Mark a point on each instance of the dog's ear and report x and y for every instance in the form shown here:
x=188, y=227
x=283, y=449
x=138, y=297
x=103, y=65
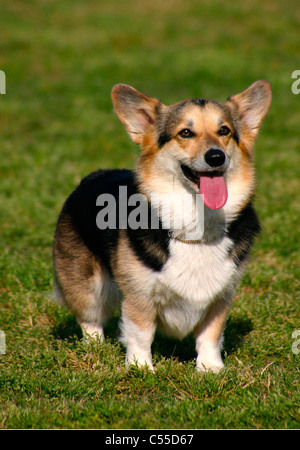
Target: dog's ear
x=250, y=107
x=136, y=111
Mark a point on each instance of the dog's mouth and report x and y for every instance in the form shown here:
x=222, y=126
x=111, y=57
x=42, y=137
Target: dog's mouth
x=211, y=185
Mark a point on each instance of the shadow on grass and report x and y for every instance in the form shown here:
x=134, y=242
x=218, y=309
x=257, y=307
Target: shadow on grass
x=235, y=331
x=70, y=330
x=167, y=347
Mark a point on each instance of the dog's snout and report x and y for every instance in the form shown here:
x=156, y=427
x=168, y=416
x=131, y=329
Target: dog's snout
x=215, y=157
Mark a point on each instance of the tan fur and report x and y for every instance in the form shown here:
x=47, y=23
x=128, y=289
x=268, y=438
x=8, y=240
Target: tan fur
x=77, y=271
x=211, y=328
x=132, y=277
x=206, y=122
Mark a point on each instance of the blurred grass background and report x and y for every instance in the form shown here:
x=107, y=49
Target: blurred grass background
x=61, y=59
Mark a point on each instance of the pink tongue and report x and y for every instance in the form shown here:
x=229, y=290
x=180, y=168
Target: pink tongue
x=214, y=191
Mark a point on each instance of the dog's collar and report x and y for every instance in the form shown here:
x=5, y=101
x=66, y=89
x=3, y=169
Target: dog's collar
x=184, y=241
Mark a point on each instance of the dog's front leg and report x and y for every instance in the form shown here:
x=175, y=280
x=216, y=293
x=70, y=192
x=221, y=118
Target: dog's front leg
x=208, y=334
x=138, y=329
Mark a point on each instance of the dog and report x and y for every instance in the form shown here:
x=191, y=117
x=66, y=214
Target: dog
x=178, y=280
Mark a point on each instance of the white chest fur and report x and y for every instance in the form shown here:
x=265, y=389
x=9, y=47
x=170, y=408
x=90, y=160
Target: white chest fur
x=194, y=275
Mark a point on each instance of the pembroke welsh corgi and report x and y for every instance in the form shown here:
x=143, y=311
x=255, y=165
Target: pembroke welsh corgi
x=117, y=243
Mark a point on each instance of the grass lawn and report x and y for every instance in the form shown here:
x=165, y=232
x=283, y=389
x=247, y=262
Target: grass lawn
x=61, y=59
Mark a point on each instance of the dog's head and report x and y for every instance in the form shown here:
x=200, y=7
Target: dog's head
x=198, y=143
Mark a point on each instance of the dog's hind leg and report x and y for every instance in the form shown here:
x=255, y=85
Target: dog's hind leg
x=84, y=298
x=82, y=284
x=106, y=299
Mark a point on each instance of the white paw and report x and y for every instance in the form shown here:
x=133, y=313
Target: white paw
x=92, y=332
x=209, y=358
x=206, y=366
x=139, y=361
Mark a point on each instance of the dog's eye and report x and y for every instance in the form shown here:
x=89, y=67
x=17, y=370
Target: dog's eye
x=224, y=131
x=186, y=133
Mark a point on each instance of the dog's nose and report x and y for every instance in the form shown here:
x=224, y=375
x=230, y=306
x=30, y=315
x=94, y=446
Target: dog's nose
x=215, y=157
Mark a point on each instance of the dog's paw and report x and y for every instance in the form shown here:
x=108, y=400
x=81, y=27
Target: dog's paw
x=139, y=362
x=209, y=361
x=92, y=332
x=209, y=358
x=206, y=366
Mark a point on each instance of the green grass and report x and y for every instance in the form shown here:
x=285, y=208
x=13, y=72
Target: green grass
x=61, y=59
